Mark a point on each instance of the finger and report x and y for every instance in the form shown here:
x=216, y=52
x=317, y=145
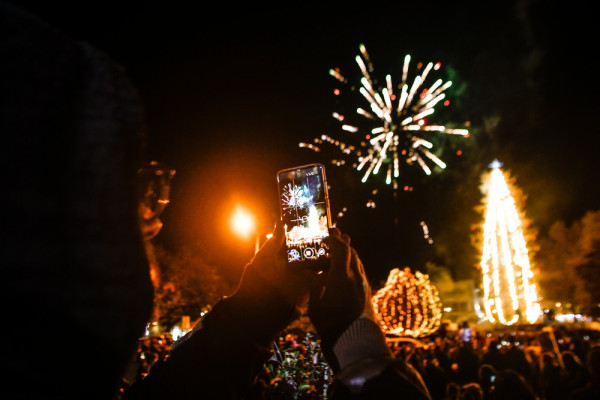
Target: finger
x=357, y=265
x=360, y=267
x=278, y=231
x=346, y=238
x=340, y=253
x=316, y=286
x=358, y=270
x=337, y=232
x=316, y=290
x=274, y=243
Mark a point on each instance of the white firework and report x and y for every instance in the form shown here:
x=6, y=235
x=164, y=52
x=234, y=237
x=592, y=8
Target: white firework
x=295, y=196
x=397, y=121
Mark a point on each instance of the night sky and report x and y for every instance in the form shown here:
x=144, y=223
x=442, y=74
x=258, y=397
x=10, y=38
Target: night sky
x=229, y=93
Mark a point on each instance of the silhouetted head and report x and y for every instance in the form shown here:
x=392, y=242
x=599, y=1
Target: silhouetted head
x=571, y=360
x=452, y=391
x=510, y=385
x=593, y=363
x=471, y=391
x=485, y=373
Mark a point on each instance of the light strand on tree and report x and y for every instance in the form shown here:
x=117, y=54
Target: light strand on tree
x=508, y=286
x=408, y=304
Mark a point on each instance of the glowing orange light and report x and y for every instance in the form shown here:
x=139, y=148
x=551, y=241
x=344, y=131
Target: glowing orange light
x=447, y=103
x=242, y=222
x=336, y=92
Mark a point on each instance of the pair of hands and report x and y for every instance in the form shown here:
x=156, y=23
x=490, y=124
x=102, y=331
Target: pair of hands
x=335, y=297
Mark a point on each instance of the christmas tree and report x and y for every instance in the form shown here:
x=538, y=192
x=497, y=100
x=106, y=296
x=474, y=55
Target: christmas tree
x=509, y=292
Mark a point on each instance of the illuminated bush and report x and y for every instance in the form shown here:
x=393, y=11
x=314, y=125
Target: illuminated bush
x=408, y=304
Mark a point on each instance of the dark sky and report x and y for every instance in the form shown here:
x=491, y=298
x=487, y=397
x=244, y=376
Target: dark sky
x=230, y=91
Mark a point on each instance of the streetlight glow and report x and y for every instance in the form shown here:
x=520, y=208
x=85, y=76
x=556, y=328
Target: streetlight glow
x=242, y=222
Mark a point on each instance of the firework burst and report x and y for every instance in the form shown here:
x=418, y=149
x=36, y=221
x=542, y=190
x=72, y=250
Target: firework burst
x=394, y=128
x=295, y=196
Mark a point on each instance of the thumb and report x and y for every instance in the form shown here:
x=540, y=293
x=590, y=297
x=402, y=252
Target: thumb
x=317, y=288
x=273, y=245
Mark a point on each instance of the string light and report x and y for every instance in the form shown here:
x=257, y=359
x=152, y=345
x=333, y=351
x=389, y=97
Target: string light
x=408, y=304
x=508, y=286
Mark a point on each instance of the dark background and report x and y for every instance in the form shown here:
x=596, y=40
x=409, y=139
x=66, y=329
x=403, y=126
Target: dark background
x=231, y=90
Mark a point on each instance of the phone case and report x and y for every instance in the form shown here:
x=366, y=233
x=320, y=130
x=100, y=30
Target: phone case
x=305, y=212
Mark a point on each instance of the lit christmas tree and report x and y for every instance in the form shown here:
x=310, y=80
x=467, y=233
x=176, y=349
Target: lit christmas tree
x=408, y=304
x=509, y=292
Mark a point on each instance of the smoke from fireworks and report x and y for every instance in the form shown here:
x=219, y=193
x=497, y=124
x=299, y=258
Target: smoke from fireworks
x=394, y=128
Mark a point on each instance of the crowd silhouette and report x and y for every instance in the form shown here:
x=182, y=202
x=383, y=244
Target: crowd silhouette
x=493, y=365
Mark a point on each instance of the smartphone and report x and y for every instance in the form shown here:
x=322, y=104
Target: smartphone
x=305, y=213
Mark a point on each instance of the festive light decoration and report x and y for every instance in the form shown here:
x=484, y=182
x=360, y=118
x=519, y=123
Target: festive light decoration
x=396, y=121
x=408, y=304
x=426, y=234
x=509, y=292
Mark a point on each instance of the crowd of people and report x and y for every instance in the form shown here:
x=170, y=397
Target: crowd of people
x=542, y=365
x=552, y=364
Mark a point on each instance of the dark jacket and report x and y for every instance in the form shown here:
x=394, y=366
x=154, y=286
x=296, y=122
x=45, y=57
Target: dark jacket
x=76, y=285
x=221, y=358
x=77, y=277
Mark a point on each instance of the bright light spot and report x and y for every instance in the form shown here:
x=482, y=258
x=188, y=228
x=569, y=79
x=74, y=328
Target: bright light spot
x=176, y=332
x=570, y=317
x=242, y=222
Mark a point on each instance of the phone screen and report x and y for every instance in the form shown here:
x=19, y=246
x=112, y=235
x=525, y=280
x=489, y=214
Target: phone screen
x=304, y=204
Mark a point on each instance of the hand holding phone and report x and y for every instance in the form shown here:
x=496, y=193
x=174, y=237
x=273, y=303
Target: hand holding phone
x=305, y=213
